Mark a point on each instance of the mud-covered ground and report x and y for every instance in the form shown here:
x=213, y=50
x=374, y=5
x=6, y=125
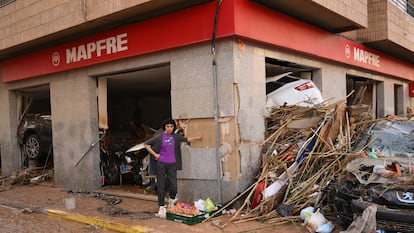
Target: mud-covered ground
x=24, y=209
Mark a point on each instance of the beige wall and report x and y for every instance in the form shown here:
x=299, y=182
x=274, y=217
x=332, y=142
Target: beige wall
x=27, y=20
x=387, y=22
x=355, y=10
x=400, y=27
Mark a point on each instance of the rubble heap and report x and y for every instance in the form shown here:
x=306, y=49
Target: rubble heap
x=304, y=149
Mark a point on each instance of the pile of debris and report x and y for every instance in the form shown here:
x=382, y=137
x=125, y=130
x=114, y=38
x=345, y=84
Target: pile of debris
x=24, y=176
x=304, y=149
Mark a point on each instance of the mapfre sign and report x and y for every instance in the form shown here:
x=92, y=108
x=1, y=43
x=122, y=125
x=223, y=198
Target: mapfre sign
x=175, y=30
x=95, y=49
x=157, y=34
x=362, y=56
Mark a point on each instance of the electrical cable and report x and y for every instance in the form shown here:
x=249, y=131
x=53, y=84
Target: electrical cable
x=216, y=104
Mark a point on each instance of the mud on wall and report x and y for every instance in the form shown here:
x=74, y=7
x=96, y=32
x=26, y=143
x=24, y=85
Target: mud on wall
x=228, y=146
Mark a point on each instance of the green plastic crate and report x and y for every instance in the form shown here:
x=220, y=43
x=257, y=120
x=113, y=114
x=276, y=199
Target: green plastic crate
x=190, y=220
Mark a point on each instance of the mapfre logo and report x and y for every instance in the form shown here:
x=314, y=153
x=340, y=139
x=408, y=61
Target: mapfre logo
x=55, y=59
x=347, y=51
x=362, y=56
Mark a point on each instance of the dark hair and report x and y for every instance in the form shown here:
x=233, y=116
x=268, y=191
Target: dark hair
x=168, y=121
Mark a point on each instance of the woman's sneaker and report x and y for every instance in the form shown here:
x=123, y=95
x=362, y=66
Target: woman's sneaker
x=162, y=212
x=171, y=202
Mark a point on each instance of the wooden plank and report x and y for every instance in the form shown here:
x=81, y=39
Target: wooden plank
x=103, y=103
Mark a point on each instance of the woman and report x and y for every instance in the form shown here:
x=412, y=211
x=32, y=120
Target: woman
x=166, y=151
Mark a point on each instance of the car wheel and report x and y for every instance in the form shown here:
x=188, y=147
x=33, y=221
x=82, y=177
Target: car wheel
x=32, y=146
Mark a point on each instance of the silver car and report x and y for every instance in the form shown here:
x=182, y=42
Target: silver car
x=35, y=135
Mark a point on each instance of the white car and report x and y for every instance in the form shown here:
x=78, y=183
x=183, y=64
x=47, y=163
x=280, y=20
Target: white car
x=285, y=89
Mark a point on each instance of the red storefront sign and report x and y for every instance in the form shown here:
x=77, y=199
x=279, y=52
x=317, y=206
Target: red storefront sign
x=411, y=89
x=237, y=18
x=165, y=32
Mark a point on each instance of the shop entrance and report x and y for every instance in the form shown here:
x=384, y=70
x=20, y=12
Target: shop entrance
x=364, y=93
x=35, y=126
x=136, y=103
x=277, y=67
x=288, y=83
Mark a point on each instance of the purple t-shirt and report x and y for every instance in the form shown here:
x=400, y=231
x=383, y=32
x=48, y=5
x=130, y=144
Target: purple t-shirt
x=167, y=153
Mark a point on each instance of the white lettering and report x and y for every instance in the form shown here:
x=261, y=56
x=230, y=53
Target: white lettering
x=90, y=47
x=366, y=57
x=106, y=46
x=100, y=45
x=121, y=42
x=111, y=45
x=82, y=53
x=71, y=55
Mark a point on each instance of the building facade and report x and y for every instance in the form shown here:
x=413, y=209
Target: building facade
x=203, y=63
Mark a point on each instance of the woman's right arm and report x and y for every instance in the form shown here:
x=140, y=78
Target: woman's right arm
x=152, y=152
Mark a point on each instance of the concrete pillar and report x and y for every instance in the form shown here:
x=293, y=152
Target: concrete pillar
x=333, y=84
x=192, y=97
x=9, y=147
x=241, y=97
x=75, y=128
x=250, y=78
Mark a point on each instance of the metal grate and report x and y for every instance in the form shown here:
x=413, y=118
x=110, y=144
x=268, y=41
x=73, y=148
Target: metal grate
x=401, y=4
x=5, y=2
x=410, y=8
x=405, y=6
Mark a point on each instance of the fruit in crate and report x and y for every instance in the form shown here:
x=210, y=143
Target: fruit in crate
x=184, y=209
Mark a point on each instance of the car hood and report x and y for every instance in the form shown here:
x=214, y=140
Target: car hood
x=386, y=173
x=391, y=139
x=387, y=148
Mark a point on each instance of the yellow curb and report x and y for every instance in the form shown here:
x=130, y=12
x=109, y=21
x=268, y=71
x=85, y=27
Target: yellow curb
x=97, y=222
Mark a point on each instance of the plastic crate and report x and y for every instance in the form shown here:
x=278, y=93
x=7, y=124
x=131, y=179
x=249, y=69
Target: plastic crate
x=190, y=220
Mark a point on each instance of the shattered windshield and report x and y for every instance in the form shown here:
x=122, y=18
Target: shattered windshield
x=390, y=138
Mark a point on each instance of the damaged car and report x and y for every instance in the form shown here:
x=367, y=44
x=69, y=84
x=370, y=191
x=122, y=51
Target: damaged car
x=34, y=131
x=382, y=176
x=287, y=89
x=35, y=136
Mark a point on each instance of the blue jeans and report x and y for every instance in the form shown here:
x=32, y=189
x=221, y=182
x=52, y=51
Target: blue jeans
x=166, y=177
